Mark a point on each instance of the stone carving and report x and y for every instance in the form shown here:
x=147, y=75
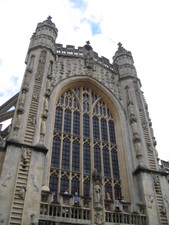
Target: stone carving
x=50, y=69
x=97, y=194
x=36, y=95
x=48, y=86
x=45, y=107
x=155, y=179
x=96, y=175
x=17, y=121
x=2, y=220
x=26, y=82
x=150, y=200
x=134, y=128
x=144, y=125
x=33, y=119
x=42, y=130
x=22, y=192
x=166, y=198
x=99, y=218
x=133, y=118
x=7, y=178
x=31, y=64
x=22, y=100
x=38, y=75
x=70, y=67
x=89, y=56
x=34, y=183
x=34, y=219
x=97, y=197
x=163, y=210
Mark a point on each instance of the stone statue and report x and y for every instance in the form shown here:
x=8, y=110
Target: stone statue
x=97, y=194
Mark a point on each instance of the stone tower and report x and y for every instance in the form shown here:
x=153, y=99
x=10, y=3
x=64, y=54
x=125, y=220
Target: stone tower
x=81, y=148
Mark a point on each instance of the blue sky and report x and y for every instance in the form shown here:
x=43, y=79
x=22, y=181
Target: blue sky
x=141, y=26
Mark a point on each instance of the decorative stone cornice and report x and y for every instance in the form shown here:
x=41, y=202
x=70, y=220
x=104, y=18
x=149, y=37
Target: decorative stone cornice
x=37, y=148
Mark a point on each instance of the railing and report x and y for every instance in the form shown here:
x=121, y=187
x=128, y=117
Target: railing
x=52, y=211
x=65, y=210
x=125, y=218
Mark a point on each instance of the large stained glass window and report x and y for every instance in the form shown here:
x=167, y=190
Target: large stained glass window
x=84, y=139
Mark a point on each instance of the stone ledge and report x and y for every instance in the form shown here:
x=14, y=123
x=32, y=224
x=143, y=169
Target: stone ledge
x=38, y=148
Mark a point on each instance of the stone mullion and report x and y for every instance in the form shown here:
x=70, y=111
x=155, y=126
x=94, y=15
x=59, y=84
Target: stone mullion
x=91, y=132
x=81, y=141
x=101, y=147
x=111, y=166
x=61, y=147
x=71, y=149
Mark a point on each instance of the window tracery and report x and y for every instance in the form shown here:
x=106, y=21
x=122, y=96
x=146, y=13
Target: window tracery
x=84, y=139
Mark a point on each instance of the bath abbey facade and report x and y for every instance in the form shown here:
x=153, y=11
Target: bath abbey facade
x=80, y=148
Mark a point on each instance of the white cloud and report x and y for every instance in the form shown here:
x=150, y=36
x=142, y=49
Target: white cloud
x=141, y=26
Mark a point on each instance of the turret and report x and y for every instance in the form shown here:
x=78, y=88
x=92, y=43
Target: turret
x=44, y=36
x=124, y=63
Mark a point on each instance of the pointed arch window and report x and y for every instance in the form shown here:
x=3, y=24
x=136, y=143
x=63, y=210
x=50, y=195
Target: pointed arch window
x=84, y=135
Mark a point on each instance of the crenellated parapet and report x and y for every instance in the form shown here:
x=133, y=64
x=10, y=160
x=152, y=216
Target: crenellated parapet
x=70, y=50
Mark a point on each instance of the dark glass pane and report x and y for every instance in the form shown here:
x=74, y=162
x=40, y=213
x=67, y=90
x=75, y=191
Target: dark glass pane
x=106, y=162
x=53, y=185
x=66, y=101
x=101, y=110
x=75, y=156
x=64, y=184
x=55, y=152
x=108, y=112
x=97, y=159
x=75, y=103
x=92, y=97
x=70, y=102
x=58, y=119
x=96, y=128
x=86, y=126
x=86, y=188
x=76, y=123
x=67, y=121
x=86, y=158
x=96, y=109
x=104, y=111
x=117, y=191
x=112, y=132
x=115, y=165
x=62, y=99
x=108, y=189
x=75, y=186
x=104, y=130
x=65, y=154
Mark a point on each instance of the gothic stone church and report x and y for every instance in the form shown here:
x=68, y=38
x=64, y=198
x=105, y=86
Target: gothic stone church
x=80, y=148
